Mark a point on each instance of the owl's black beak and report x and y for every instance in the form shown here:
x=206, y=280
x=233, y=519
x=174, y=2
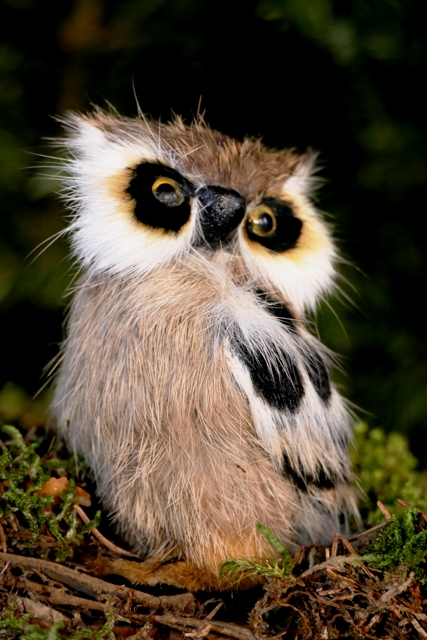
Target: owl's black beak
x=221, y=211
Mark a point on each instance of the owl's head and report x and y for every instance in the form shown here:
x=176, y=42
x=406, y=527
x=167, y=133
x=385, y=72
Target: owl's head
x=147, y=194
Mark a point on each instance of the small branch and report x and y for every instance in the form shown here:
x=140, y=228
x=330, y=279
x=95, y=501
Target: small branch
x=110, y=545
x=334, y=548
x=299, y=555
x=40, y=611
x=337, y=561
x=5, y=568
x=351, y=550
x=205, y=625
x=392, y=592
x=3, y=539
x=419, y=628
x=367, y=532
x=347, y=545
x=61, y=597
x=386, y=513
x=228, y=629
x=405, y=504
x=95, y=587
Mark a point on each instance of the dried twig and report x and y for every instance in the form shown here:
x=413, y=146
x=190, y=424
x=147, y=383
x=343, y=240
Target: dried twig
x=110, y=545
x=94, y=587
x=63, y=598
x=394, y=591
x=228, y=629
x=367, y=532
x=419, y=628
x=405, y=504
x=351, y=550
x=386, y=513
x=337, y=561
x=347, y=545
x=205, y=625
x=299, y=555
x=3, y=539
x=334, y=548
x=5, y=568
x=40, y=611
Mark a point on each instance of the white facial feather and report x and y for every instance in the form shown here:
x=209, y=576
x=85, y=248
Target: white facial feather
x=105, y=238
x=301, y=277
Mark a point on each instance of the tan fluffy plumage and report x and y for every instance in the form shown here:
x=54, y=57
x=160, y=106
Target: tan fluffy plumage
x=188, y=380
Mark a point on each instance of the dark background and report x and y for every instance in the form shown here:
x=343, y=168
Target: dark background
x=346, y=78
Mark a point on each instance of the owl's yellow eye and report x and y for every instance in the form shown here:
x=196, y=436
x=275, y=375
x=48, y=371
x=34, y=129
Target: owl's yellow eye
x=262, y=221
x=168, y=192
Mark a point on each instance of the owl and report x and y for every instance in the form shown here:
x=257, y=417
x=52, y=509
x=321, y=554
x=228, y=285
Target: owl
x=189, y=379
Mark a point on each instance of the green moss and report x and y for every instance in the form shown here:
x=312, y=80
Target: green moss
x=237, y=569
x=28, y=631
x=386, y=470
x=23, y=473
x=401, y=545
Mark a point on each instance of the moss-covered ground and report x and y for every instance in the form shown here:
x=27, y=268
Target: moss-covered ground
x=55, y=544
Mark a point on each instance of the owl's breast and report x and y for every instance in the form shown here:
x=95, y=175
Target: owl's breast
x=191, y=357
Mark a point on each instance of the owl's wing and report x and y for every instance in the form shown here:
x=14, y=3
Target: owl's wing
x=297, y=413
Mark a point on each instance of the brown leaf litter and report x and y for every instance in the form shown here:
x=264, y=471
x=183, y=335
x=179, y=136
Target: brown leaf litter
x=336, y=597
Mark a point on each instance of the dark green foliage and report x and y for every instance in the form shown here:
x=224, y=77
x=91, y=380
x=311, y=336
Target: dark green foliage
x=24, y=473
x=386, y=470
x=345, y=78
x=401, y=545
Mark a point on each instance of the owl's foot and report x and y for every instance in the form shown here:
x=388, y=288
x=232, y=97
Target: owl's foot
x=179, y=573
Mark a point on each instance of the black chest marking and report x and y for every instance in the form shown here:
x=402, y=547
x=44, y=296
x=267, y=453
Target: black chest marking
x=313, y=363
x=276, y=379
x=277, y=309
x=323, y=480
x=318, y=375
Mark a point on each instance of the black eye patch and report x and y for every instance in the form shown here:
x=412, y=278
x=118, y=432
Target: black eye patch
x=287, y=227
x=160, y=213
